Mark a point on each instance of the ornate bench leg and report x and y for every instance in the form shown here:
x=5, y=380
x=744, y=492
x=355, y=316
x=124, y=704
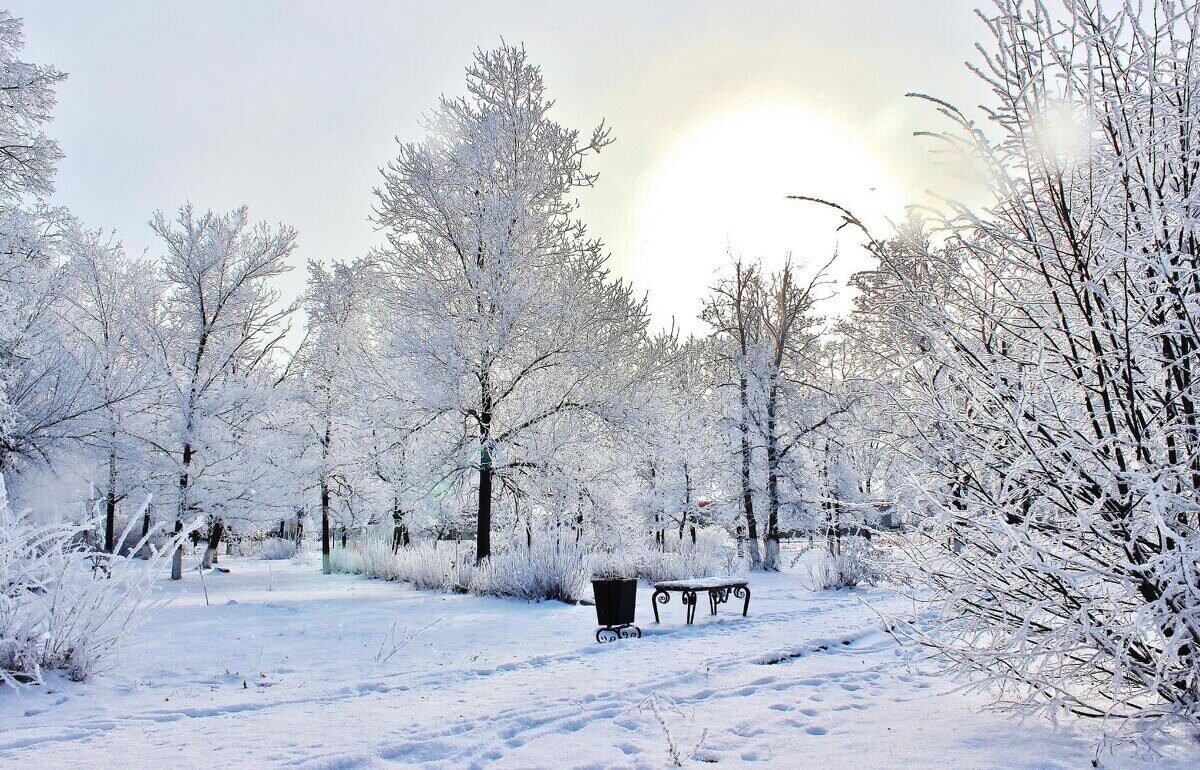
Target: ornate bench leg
x=689, y=598
x=743, y=591
x=659, y=597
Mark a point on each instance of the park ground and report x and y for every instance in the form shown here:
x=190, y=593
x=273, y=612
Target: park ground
x=285, y=667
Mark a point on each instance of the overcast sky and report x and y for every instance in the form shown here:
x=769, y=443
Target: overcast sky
x=719, y=110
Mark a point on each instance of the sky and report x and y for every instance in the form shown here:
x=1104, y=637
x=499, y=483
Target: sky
x=719, y=111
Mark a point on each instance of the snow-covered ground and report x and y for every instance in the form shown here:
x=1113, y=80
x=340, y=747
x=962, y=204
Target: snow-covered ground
x=288, y=667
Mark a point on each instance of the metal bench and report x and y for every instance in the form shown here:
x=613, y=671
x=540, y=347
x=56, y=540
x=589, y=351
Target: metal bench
x=718, y=590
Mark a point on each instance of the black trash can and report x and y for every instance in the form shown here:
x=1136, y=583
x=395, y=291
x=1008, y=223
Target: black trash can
x=616, y=601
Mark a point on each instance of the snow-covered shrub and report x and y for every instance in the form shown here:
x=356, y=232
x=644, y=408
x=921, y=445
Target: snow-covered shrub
x=276, y=548
x=307, y=557
x=425, y=565
x=616, y=565
x=434, y=565
x=462, y=571
x=854, y=564
x=369, y=558
x=714, y=554
x=63, y=606
x=713, y=558
x=545, y=571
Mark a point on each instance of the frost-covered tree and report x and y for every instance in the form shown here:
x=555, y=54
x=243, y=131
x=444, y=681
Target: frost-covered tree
x=43, y=386
x=766, y=337
x=676, y=448
x=501, y=319
x=1056, y=369
x=29, y=158
x=793, y=403
x=331, y=365
x=737, y=333
x=213, y=343
x=106, y=296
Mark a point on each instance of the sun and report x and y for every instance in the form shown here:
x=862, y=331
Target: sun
x=723, y=187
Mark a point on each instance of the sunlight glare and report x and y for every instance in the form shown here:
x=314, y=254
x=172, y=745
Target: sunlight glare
x=724, y=185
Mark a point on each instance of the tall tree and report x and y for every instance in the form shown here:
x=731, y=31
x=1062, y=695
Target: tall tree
x=787, y=361
x=497, y=301
x=676, y=449
x=44, y=394
x=736, y=325
x=106, y=297
x=331, y=363
x=215, y=335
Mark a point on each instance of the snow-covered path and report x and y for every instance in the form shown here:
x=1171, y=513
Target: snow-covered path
x=291, y=668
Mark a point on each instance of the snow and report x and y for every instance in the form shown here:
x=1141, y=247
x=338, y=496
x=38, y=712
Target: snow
x=290, y=667
x=700, y=584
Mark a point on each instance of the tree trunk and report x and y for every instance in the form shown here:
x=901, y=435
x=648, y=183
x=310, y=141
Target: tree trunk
x=747, y=491
x=110, y=505
x=483, y=523
x=771, y=562
x=177, y=557
x=687, y=503
x=184, y=485
x=483, y=529
x=326, y=566
x=214, y=541
x=399, y=527
x=145, y=549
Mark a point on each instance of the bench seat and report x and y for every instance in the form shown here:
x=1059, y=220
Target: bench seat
x=717, y=588
x=699, y=584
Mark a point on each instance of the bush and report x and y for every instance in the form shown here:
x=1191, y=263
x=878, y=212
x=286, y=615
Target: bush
x=854, y=565
x=277, y=548
x=545, y=571
x=425, y=565
x=548, y=570
x=63, y=605
x=710, y=557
